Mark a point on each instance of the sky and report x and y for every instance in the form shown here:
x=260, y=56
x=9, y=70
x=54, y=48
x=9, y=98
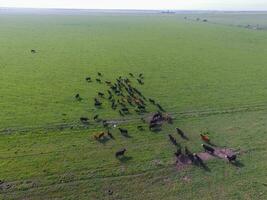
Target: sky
x=141, y=4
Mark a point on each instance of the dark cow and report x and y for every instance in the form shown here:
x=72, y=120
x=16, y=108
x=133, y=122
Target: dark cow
x=231, y=158
x=189, y=154
x=99, y=74
x=125, y=110
x=101, y=94
x=152, y=101
x=78, y=97
x=98, y=80
x=181, y=133
x=88, y=79
x=208, y=148
x=105, y=123
x=172, y=139
x=33, y=51
x=84, y=119
x=120, y=152
x=108, y=82
x=140, y=81
x=131, y=74
x=96, y=117
x=140, y=128
x=123, y=131
x=178, y=152
x=97, y=102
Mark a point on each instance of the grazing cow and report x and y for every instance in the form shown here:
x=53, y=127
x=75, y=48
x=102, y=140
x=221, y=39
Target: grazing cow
x=33, y=51
x=84, y=119
x=101, y=94
x=125, y=110
x=172, y=139
x=97, y=102
x=131, y=74
x=189, y=154
x=120, y=152
x=152, y=101
x=78, y=97
x=98, y=80
x=140, y=128
x=99, y=74
x=205, y=138
x=109, y=92
x=208, y=148
x=231, y=158
x=157, y=117
x=180, y=132
x=123, y=131
x=99, y=136
x=140, y=81
x=140, y=75
x=178, y=152
x=108, y=82
x=88, y=79
x=96, y=117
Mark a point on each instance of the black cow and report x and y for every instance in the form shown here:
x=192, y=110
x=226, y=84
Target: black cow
x=120, y=152
x=189, y=154
x=99, y=74
x=84, y=119
x=178, y=152
x=98, y=80
x=131, y=74
x=123, y=131
x=101, y=94
x=172, y=139
x=78, y=97
x=96, y=117
x=33, y=51
x=152, y=101
x=105, y=123
x=125, y=110
x=231, y=158
x=88, y=79
x=97, y=102
x=208, y=148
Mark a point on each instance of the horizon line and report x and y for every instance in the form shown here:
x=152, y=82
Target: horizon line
x=134, y=9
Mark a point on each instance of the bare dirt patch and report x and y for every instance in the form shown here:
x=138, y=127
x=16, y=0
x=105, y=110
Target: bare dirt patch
x=183, y=161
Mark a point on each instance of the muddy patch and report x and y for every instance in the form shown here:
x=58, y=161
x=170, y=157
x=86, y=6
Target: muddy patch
x=183, y=161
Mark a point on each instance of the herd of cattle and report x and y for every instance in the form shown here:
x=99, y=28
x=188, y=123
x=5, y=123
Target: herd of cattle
x=124, y=98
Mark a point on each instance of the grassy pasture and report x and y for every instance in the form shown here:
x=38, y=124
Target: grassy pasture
x=210, y=77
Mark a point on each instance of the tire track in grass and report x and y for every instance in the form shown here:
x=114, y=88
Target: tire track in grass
x=95, y=126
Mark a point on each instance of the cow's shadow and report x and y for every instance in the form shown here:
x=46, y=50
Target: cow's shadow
x=125, y=158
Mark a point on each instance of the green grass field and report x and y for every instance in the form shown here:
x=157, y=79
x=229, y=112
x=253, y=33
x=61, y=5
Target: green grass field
x=210, y=77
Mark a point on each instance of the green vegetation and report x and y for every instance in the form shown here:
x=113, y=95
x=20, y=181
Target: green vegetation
x=209, y=77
